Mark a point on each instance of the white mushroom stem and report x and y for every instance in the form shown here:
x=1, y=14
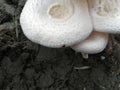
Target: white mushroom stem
x=105, y=15
x=56, y=23
x=95, y=43
x=85, y=55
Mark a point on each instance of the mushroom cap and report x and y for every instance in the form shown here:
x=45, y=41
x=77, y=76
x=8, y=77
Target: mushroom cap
x=105, y=15
x=56, y=23
x=95, y=43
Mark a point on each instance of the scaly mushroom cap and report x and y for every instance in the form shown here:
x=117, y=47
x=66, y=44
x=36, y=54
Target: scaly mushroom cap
x=56, y=23
x=95, y=43
x=105, y=15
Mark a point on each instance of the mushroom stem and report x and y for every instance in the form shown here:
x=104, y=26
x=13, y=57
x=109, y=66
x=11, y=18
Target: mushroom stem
x=85, y=55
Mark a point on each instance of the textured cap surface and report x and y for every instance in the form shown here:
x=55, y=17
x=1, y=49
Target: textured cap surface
x=105, y=15
x=95, y=43
x=56, y=23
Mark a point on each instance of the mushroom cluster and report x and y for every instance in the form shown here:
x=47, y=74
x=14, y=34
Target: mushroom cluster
x=82, y=25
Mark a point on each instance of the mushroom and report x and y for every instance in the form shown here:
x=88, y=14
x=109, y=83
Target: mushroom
x=105, y=15
x=95, y=43
x=56, y=23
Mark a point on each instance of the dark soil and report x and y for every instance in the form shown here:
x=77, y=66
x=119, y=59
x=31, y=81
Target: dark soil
x=27, y=66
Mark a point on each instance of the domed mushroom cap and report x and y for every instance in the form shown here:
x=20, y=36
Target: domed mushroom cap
x=95, y=43
x=105, y=15
x=56, y=23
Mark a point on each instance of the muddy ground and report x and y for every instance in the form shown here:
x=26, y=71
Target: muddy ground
x=27, y=66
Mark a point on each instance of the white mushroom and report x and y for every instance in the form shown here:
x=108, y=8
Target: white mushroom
x=105, y=15
x=95, y=43
x=56, y=23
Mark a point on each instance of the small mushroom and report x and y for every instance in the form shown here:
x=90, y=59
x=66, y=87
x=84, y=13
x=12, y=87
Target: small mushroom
x=95, y=43
x=105, y=15
x=56, y=23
